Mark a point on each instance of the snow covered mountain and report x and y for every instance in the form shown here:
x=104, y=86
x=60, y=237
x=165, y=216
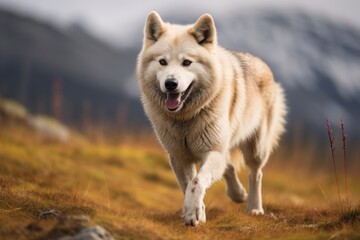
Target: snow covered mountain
x=317, y=61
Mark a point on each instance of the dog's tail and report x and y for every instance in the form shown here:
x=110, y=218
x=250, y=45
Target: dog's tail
x=237, y=159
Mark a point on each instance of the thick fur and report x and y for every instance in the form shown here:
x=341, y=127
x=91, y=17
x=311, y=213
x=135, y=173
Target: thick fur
x=232, y=101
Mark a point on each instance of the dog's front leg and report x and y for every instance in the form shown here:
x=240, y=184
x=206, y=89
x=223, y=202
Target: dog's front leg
x=184, y=171
x=211, y=170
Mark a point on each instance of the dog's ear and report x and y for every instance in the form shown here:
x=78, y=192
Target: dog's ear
x=204, y=30
x=154, y=27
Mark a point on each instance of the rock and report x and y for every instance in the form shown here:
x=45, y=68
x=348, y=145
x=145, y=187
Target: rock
x=75, y=218
x=91, y=233
x=50, y=127
x=49, y=214
x=13, y=110
x=272, y=215
x=311, y=226
x=34, y=227
x=74, y=221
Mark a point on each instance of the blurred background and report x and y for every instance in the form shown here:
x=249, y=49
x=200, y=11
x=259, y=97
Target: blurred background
x=74, y=138
x=75, y=61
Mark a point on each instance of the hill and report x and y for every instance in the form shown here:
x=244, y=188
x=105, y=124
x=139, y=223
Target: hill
x=49, y=189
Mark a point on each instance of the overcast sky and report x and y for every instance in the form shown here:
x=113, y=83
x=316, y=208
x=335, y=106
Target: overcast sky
x=117, y=17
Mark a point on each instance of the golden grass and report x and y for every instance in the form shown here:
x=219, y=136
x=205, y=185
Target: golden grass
x=129, y=189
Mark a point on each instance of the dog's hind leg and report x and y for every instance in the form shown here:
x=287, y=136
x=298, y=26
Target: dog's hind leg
x=255, y=198
x=234, y=188
x=256, y=153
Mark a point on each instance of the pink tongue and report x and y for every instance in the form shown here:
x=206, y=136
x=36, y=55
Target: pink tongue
x=172, y=100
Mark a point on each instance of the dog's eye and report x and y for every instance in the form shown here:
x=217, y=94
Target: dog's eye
x=162, y=62
x=186, y=63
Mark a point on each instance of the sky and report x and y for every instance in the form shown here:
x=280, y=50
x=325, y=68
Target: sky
x=114, y=19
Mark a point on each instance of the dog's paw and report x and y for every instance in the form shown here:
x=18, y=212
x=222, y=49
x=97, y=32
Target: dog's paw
x=237, y=195
x=202, y=216
x=194, y=214
x=256, y=211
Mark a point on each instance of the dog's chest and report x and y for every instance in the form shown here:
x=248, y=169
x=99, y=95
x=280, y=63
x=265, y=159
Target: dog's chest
x=191, y=138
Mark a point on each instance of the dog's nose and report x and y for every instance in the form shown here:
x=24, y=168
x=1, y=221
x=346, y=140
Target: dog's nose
x=171, y=84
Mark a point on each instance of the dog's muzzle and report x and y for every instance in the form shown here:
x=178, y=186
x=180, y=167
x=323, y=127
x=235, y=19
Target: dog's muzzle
x=174, y=100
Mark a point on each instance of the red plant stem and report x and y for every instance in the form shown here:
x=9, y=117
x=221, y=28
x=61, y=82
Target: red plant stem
x=344, y=136
x=331, y=140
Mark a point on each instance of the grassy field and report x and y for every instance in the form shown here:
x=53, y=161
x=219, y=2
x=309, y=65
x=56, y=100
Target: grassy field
x=129, y=189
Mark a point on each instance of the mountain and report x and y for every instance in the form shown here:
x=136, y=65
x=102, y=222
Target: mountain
x=316, y=59
x=36, y=58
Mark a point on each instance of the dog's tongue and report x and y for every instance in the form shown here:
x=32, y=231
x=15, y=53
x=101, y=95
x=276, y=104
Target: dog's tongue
x=172, y=100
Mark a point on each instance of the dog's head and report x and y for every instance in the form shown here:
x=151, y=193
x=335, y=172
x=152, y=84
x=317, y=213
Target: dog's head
x=177, y=67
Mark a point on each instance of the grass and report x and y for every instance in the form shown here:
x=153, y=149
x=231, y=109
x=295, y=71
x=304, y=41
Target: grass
x=129, y=189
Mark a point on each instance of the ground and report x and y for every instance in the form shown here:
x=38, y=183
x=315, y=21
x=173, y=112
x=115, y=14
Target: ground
x=128, y=188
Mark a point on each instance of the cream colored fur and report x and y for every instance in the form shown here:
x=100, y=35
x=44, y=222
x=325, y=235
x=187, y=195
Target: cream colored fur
x=231, y=102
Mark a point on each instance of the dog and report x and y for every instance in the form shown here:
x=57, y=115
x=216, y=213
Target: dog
x=205, y=101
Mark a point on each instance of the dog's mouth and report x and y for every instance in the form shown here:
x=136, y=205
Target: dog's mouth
x=175, y=100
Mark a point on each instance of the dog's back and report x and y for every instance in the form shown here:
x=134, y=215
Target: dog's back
x=271, y=93
x=255, y=101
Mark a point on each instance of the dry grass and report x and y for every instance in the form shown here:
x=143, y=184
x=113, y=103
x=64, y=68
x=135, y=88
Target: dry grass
x=130, y=190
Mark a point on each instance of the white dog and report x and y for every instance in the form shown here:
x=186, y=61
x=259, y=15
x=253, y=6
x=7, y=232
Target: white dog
x=205, y=101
